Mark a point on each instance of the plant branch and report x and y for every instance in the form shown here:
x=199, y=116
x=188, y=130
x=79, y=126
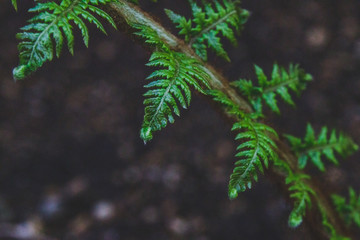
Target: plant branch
x=126, y=14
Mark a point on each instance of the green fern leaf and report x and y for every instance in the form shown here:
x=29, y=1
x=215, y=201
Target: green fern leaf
x=170, y=84
x=14, y=3
x=203, y=30
x=280, y=83
x=329, y=228
x=48, y=27
x=151, y=37
x=255, y=151
x=301, y=193
x=231, y=107
x=350, y=211
x=169, y=88
x=312, y=148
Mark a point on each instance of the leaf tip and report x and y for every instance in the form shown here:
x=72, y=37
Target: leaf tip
x=233, y=193
x=295, y=220
x=146, y=134
x=20, y=72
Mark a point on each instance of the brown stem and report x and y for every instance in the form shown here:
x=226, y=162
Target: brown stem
x=125, y=14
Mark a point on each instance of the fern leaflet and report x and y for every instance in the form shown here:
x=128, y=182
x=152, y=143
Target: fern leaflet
x=170, y=85
x=280, y=83
x=255, y=151
x=14, y=3
x=151, y=37
x=313, y=148
x=202, y=31
x=350, y=211
x=169, y=88
x=329, y=228
x=44, y=34
x=301, y=193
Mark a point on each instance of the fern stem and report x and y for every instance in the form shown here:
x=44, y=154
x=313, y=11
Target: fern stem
x=126, y=13
x=211, y=26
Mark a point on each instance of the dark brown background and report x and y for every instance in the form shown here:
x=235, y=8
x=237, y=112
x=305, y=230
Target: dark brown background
x=72, y=165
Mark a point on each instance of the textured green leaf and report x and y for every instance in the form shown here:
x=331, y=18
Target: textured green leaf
x=279, y=85
x=45, y=32
x=169, y=86
x=255, y=150
x=349, y=210
x=301, y=193
x=313, y=148
x=208, y=23
x=14, y=3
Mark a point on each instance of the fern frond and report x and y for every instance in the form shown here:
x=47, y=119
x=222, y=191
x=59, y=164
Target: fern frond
x=151, y=37
x=170, y=85
x=256, y=149
x=14, y=3
x=203, y=30
x=44, y=35
x=169, y=88
x=350, y=211
x=299, y=190
x=329, y=228
x=267, y=90
x=230, y=107
x=301, y=193
x=312, y=148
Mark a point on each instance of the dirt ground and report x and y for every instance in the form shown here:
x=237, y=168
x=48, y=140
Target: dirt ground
x=72, y=165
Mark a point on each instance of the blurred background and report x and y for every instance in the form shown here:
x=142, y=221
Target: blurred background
x=72, y=165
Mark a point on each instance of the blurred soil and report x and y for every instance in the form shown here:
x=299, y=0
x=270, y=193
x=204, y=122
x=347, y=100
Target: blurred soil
x=72, y=165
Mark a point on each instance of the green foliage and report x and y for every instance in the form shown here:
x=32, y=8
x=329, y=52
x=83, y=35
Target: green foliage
x=151, y=37
x=329, y=228
x=255, y=151
x=301, y=193
x=267, y=90
x=170, y=85
x=350, y=211
x=45, y=32
x=314, y=148
x=14, y=3
x=231, y=107
x=202, y=31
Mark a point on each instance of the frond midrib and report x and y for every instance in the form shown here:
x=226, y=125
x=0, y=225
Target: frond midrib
x=319, y=147
x=174, y=78
x=55, y=21
x=273, y=88
x=254, y=156
x=211, y=26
